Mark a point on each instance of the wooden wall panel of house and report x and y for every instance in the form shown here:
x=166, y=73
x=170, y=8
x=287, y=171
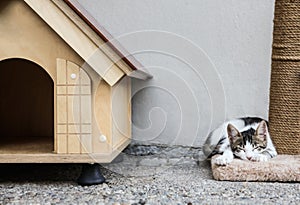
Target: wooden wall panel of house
x=121, y=112
x=103, y=110
x=25, y=35
x=74, y=112
x=77, y=39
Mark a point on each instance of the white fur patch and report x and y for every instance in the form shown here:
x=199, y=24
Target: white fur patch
x=224, y=159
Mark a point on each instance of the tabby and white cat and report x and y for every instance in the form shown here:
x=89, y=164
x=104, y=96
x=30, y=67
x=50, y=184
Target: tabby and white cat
x=244, y=138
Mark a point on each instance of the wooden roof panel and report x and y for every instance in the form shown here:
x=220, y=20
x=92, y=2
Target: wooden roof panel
x=107, y=38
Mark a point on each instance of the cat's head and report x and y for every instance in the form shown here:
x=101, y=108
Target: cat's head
x=248, y=143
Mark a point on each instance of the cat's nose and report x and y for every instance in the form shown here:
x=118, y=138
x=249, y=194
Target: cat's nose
x=249, y=158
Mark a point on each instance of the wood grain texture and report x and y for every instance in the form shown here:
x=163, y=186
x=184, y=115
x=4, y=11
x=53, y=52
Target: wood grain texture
x=94, y=36
x=62, y=158
x=70, y=116
x=121, y=117
x=103, y=114
x=74, y=109
x=77, y=39
x=26, y=145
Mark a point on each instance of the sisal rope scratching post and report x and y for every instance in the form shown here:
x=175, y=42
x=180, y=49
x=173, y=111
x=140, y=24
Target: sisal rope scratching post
x=285, y=78
x=284, y=114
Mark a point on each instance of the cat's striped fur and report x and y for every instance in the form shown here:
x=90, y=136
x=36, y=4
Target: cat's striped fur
x=244, y=138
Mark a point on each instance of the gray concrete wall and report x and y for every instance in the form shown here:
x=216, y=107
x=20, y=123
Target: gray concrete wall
x=210, y=60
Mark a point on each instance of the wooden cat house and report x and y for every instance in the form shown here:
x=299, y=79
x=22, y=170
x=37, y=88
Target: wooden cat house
x=65, y=90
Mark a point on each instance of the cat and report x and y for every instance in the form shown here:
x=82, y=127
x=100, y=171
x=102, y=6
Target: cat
x=244, y=138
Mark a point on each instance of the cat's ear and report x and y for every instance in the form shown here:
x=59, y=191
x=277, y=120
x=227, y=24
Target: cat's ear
x=232, y=132
x=262, y=130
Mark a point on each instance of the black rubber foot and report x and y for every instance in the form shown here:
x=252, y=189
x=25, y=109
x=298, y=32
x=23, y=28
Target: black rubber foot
x=90, y=175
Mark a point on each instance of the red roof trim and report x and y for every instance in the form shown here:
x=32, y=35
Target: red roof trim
x=104, y=35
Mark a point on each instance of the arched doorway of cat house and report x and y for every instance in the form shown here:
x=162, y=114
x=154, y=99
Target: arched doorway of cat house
x=26, y=108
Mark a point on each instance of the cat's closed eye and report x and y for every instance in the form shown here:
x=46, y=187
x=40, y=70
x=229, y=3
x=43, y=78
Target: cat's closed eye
x=258, y=149
x=239, y=149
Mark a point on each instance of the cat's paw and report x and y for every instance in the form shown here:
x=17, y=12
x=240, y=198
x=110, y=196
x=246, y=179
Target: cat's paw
x=222, y=160
x=259, y=158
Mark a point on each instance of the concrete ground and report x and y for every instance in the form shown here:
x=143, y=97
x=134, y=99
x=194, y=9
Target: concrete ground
x=140, y=175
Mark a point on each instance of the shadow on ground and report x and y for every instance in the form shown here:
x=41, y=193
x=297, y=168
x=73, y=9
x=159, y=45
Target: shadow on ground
x=39, y=172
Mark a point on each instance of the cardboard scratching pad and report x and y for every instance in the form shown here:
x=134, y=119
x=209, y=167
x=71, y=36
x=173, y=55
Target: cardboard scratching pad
x=282, y=168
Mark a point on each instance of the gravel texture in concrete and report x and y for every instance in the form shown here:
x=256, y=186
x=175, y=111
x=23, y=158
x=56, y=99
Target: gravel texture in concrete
x=140, y=175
